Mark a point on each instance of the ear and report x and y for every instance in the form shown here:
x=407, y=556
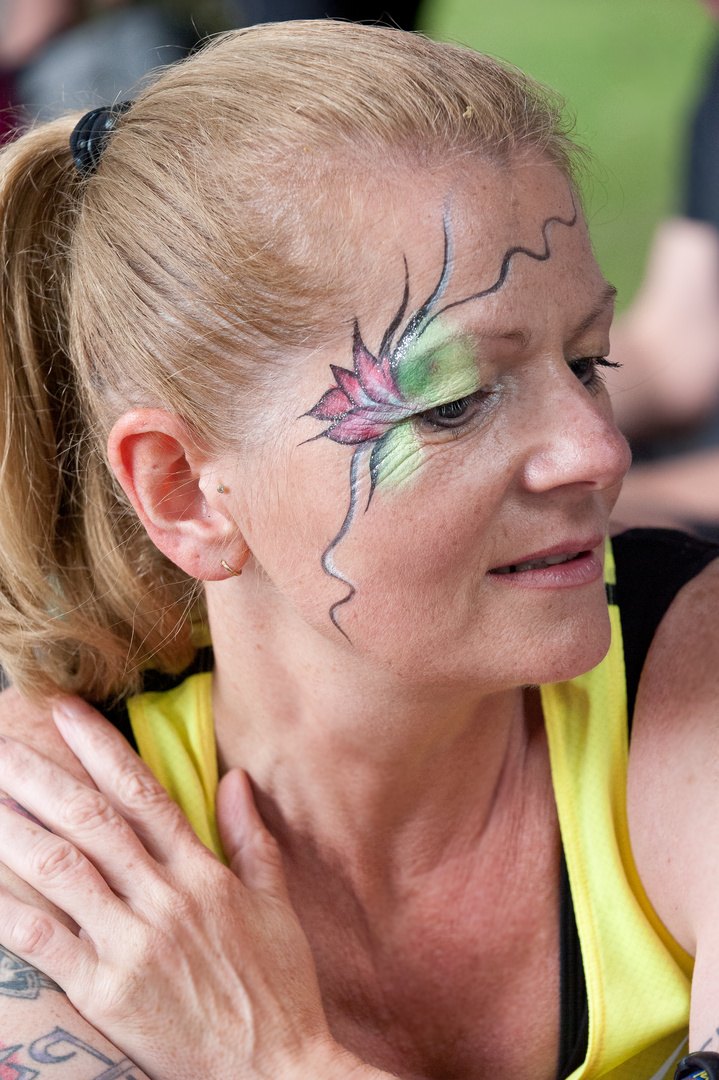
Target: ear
x=172, y=484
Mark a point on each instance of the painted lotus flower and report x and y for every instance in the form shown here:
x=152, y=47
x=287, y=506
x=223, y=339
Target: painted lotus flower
x=364, y=405
x=369, y=406
x=372, y=406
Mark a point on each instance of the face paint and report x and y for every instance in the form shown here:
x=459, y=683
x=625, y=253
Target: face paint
x=372, y=406
x=438, y=367
x=433, y=371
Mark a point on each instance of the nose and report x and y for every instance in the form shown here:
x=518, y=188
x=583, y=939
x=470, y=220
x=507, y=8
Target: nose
x=573, y=440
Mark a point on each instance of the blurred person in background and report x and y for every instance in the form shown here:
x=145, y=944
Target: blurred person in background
x=57, y=55
x=65, y=54
x=666, y=396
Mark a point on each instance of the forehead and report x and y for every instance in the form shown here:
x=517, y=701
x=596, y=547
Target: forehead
x=490, y=212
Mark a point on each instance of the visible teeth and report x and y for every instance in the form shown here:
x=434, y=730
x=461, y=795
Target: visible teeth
x=534, y=564
x=554, y=560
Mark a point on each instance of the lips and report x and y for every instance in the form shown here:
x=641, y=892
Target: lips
x=558, y=554
x=537, y=564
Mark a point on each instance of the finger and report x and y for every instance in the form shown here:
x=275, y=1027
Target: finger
x=77, y=814
x=125, y=780
x=43, y=942
x=62, y=874
x=13, y=804
x=252, y=851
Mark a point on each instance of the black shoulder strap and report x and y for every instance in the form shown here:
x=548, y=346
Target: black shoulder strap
x=573, y=1002
x=652, y=566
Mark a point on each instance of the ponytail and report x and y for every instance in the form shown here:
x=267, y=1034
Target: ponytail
x=85, y=598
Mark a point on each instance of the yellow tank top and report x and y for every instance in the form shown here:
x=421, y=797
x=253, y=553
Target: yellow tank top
x=638, y=978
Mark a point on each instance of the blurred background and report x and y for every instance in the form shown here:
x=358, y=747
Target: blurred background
x=641, y=77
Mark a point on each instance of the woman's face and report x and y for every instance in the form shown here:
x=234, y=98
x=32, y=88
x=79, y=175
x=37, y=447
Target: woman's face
x=461, y=432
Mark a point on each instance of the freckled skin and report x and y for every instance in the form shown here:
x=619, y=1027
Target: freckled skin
x=540, y=459
x=427, y=369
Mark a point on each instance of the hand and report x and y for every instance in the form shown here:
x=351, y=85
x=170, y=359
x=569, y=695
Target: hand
x=183, y=964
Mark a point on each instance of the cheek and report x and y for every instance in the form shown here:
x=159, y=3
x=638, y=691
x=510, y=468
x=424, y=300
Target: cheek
x=423, y=544
x=417, y=545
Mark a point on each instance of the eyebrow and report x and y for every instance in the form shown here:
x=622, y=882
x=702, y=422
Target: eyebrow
x=522, y=338
x=607, y=297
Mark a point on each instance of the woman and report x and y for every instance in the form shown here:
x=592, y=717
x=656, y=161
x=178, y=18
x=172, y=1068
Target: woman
x=320, y=310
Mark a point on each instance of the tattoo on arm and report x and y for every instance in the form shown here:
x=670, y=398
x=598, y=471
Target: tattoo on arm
x=18, y=979
x=56, y=1047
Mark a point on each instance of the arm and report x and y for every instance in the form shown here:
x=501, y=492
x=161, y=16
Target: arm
x=673, y=788
x=670, y=492
x=668, y=341
x=42, y=1036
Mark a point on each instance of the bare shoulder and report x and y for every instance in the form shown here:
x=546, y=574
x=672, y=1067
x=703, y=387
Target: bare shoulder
x=673, y=785
x=32, y=723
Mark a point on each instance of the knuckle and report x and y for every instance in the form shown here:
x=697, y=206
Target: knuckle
x=32, y=932
x=53, y=858
x=138, y=790
x=86, y=808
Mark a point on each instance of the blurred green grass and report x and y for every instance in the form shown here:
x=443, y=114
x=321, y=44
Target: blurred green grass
x=631, y=71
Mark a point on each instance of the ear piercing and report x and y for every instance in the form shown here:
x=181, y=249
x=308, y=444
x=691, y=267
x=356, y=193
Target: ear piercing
x=225, y=565
x=228, y=568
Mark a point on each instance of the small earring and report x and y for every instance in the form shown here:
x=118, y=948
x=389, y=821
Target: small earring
x=229, y=569
x=221, y=489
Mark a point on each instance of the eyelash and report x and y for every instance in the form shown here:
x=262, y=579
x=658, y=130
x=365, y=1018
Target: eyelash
x=434, y=418
x=585, y=368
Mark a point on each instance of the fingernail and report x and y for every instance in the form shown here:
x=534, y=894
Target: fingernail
x=66, y=710
x=66, y=719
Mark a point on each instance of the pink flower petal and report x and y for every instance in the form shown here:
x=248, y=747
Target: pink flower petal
x=332, y=405
x=374, y=376
x=348, y=381
x=353, y=429
x=382, y=414
x=387, y=373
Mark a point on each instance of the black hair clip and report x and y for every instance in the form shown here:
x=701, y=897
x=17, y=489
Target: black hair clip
x=91, y=133
x=700, y=1066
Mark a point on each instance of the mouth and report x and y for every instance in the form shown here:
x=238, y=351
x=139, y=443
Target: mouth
x=539, y=564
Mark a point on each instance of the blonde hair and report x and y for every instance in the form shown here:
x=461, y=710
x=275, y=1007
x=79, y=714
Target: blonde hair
x=178, y=255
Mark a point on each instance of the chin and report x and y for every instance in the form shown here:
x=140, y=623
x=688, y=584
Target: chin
x=577, y=645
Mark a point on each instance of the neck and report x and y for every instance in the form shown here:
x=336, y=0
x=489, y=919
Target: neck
x=373, y=770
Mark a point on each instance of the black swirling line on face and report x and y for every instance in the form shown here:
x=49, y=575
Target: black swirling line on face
x=366, y=405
